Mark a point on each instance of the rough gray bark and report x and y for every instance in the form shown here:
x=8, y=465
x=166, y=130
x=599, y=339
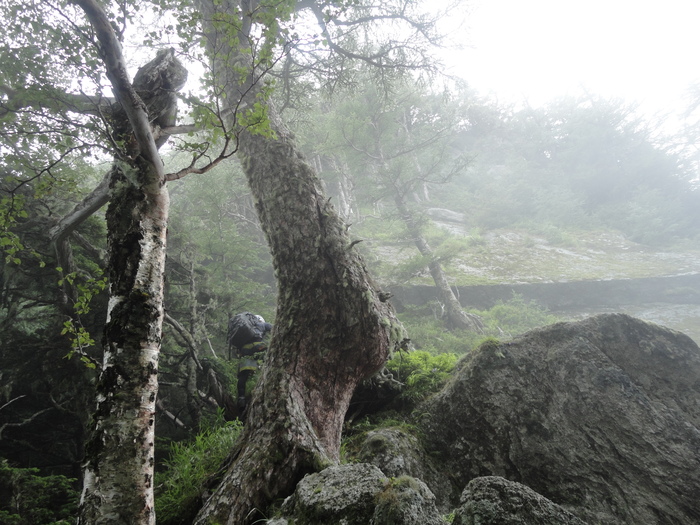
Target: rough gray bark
x=332, y=330
x=118, y=479
x=333, y=327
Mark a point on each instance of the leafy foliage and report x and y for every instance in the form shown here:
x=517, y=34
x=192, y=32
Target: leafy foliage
x=515, y=316
x=422, y=372
x=504, y=320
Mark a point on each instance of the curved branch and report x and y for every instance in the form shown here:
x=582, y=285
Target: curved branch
x=124, y=92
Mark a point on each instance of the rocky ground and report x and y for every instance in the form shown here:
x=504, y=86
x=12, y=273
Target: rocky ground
x=523, y=257
x=592, y=422
x=553, y=255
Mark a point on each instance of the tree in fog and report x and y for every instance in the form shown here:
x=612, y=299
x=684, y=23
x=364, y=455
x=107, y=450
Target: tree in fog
x=331, y=318
x=399, y=143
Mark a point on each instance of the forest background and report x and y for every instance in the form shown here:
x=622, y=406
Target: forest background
x=391, y=150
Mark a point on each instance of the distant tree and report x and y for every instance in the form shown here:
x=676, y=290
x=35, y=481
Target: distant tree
x=400, y=146
x=584, y=162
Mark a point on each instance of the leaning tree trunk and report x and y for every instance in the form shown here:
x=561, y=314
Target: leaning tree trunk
x=332, y=328
x=456, y=316
x=118, y=479
x=332, y=331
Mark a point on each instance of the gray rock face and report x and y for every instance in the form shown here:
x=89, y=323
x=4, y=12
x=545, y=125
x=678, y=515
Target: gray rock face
x=491, y=500
x=397, y=453
x=343, y=494
x=406, y=501
x=600, y=416
x=359, y=494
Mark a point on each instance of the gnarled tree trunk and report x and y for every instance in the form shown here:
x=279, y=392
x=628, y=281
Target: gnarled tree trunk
x=332, y=330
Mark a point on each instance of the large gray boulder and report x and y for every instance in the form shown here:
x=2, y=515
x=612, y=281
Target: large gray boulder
x=600, y=416
x=491, y=500
x=343, y=494
x=359, y=494
x=406, y=501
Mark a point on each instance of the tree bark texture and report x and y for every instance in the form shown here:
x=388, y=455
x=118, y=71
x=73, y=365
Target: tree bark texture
x=118, y=482
x=118, y=478
x=331, y=332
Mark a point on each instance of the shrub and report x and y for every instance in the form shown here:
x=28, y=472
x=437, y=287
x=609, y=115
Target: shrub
x=422, y=373
x=26, y=498
x=515, y=316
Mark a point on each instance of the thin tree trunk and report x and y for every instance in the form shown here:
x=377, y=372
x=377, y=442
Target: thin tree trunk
x=456, y=316
x=193, y=406
x=118, y=483
x=118, y=479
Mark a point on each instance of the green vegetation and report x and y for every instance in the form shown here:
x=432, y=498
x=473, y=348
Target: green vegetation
x=513, y=317
x=31, y=499
x=505, y=320
x=422, y=373
x=552, y=193
x=190, y=464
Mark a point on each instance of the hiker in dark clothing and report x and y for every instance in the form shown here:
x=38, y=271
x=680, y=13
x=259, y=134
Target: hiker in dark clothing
x=246, y=332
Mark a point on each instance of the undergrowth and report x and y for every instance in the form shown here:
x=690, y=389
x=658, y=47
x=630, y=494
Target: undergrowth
x=190, y=464
x=27, y=498
x=505, y=320
x=421, y=372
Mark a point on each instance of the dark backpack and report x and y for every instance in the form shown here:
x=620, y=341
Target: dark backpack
x=243, y=328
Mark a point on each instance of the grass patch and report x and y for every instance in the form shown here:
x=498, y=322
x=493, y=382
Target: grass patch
x=190, y=464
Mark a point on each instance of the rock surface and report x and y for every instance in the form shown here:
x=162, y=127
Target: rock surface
x=359, y=494
x=397, y=452
x=491, y=500
x=340, y=494
x=600, y=416
x=406, y=501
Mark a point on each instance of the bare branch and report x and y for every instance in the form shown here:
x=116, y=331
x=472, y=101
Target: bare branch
x=97, y=198
x=191, y=344
x=134, y=107
x=12, y=401
x=172, y=417
x=25, y=421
